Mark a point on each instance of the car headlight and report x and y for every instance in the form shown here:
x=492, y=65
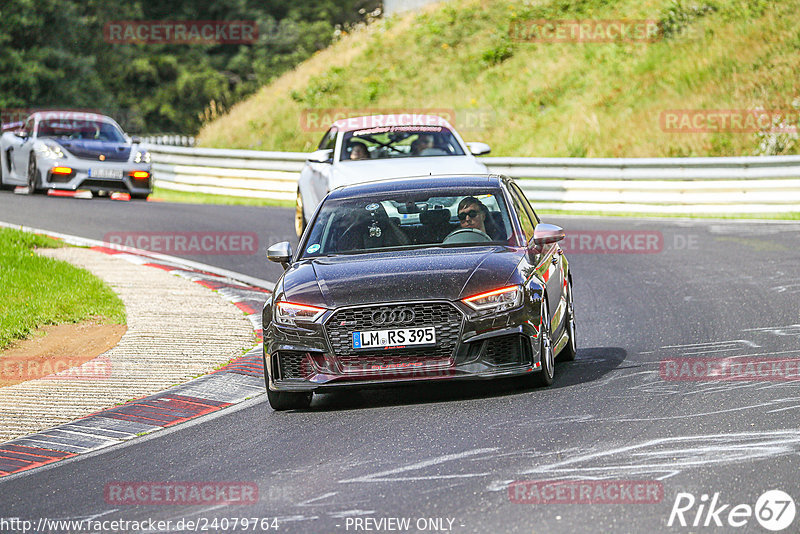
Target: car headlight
x=290, y=313
x=46, y=150
x=141, y=156
x=504, y=298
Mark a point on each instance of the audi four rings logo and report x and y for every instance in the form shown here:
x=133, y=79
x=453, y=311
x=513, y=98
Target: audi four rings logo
x=393, y=316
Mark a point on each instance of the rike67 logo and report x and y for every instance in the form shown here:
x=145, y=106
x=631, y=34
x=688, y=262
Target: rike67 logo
x=774, y=510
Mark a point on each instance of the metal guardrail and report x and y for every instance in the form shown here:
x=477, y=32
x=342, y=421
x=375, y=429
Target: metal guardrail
x=168, y=139
x=246, y=173
x=647, y=185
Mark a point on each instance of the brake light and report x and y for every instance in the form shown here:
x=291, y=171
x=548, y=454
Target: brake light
x=139, y=175
x=61, y=170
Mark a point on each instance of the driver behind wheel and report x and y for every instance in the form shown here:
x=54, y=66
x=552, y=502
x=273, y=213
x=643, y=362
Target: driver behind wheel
x=472, y=214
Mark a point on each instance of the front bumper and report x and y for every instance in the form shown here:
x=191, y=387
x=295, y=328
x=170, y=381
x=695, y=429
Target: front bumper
x=113, y=176
x=319, y=356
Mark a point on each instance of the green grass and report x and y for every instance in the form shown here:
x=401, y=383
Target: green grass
x=546, y=99
x=37, y=291
x=168, y=195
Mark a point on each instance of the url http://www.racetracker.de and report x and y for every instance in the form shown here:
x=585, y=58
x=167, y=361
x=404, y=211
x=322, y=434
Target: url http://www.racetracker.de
x=197, y=524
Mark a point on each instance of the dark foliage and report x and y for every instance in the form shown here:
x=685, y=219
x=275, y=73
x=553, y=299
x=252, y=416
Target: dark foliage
x=53, y=54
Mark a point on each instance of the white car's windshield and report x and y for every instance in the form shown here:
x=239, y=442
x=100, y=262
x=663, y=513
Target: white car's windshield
x=399, y=142
x=80, y=129
x=368, y=224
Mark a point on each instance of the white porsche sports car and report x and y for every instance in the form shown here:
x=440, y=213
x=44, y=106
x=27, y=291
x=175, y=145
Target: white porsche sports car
x=71, y=150
x=362, y=149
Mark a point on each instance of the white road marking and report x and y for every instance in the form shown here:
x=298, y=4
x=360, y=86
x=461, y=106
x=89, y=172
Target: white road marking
x=713, y=346
x=291, y=518
x=499, y=485
x=350, y=513
x=314, y=499
x=796, y=406
x=788, y=330
x=790, y=288
x=667, y=457
x=381, y=476
x=86, y=517
x=715, y=412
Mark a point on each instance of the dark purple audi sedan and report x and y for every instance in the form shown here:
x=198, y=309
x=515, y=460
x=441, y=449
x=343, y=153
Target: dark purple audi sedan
x=422, y=278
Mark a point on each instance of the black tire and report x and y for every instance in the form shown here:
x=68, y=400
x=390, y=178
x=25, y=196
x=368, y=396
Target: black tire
x=569, y=352
x=545, y=377
x=139, y=196
x=299, y=216
x=286, y=400
x=33, y=177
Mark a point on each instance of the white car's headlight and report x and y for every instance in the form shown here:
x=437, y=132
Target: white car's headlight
x=290, y=313
x=48, y=150
x=504, y=298
x=141, y=156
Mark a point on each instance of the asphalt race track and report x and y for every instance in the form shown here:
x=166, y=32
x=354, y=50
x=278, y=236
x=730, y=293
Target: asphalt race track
x=444, y=456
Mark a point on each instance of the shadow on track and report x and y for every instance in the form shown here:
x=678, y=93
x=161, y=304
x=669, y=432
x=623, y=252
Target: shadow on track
x=591, y=364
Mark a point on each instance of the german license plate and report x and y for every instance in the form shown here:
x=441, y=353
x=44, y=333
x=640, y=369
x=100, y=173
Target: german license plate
x=105, y=173
x=397, y=337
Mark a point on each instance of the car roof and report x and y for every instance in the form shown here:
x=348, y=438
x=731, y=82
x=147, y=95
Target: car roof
x=420, y=183
x=397, y=119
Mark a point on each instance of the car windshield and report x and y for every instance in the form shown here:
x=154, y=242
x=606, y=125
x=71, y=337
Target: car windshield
x=409, y=220
x=400, y=142
x=80, y=129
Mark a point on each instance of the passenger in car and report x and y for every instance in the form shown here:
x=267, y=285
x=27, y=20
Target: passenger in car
x=421, y=143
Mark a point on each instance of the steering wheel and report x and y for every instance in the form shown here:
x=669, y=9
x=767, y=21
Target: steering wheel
x=466, y=235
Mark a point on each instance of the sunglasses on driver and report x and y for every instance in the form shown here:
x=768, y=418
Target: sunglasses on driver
x=462, y=215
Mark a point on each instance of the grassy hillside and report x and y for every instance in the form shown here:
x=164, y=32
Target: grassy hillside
x=548, y=99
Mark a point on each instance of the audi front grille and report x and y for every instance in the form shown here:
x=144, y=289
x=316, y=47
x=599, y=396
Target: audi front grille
x=443, y=316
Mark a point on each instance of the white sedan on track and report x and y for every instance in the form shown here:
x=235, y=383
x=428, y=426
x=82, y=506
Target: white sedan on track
x=362, y=149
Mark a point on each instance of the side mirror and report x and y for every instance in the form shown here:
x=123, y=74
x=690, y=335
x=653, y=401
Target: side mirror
x=544, y=234
x=478, y=149
x=280, y=253
x=136, y=140
x=321, y=156
x=22, y=134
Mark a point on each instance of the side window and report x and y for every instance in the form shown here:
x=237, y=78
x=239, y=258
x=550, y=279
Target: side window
x=520, y=206
x=329, y=140
x=526, y=204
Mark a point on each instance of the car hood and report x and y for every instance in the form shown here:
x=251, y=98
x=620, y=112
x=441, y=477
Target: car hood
x=353, y=172
x=439, y=273
x=93, y=149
